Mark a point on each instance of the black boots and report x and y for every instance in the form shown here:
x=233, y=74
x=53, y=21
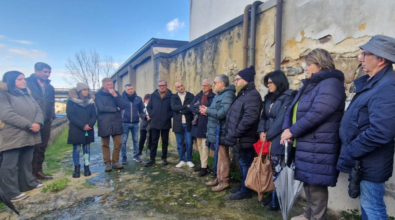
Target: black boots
x=87, y=172
x=203, y=172
x=76, y=173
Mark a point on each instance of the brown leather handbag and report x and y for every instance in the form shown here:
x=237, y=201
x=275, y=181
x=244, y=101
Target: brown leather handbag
x=260, y=175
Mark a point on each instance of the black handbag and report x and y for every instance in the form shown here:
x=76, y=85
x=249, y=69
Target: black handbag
x=354, y=188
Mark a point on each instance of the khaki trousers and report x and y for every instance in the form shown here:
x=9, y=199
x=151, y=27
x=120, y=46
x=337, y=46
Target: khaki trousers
x=203, y=151
x=105, y=147
x=223, y=164
x=317, y=202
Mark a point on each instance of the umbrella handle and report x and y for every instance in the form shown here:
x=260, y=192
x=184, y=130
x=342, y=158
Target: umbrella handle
x=286, y=152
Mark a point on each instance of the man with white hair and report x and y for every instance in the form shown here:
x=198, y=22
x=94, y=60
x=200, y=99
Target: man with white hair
x=199, y=124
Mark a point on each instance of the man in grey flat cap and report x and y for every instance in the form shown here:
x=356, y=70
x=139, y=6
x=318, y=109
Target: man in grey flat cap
x=367, y=128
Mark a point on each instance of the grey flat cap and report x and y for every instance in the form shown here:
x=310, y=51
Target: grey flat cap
x=381, y=46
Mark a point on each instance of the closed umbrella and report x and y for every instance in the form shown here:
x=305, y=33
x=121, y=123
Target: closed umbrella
x=287, y=187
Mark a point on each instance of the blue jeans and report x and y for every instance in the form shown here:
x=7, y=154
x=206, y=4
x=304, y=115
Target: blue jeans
x=180, y=143
x=246, y=158
x=86, y=154
x=134, y=128
x=372, y=201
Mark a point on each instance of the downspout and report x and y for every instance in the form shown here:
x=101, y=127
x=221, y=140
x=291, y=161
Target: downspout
x=253, y=31
x=279, y=27
x=245, y=34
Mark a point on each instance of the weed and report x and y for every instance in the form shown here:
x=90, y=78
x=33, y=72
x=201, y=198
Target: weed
x=350, y=214
x=2, y=206
x=56, y=186
x=88, y=186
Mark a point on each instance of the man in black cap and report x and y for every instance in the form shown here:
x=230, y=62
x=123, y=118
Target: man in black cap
x=242, y=124
x=367, y=128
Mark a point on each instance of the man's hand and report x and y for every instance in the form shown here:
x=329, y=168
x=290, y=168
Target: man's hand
x=35, y=127
x=87, y=128
x=148, y=118
x=188, y=106
x=286, y=136
x=112, y=92
x=202, y=109
x=262, y=136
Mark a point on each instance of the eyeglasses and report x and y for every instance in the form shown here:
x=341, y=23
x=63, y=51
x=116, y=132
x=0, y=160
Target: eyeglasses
x=162, y=85
x=364, y=53
x=206, y=85
x=237, y=79
x=269, y=83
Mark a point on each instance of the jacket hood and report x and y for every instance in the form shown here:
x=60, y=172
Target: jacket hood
x=326, y=74
x=3, y=87
x=289, y=92
x=74, y=95
x=230, y=88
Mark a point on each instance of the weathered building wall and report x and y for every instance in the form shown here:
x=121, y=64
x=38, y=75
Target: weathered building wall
x=144, y=78
x=339, y=26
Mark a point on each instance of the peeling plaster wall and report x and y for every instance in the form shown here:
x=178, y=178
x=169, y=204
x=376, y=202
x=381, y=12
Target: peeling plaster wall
x=339, y=26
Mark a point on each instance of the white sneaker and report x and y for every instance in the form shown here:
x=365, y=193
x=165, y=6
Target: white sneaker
x=22, y=196
x=190, y=164
x=180, y=164
x=299, y=217
x=39, y=187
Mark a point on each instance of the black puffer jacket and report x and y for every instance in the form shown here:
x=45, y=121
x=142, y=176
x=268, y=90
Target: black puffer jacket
x=46, y=101
x=159, y=110
x=243, y=117
x=109, y=118
x=272, y=119
x=180, y=109
x=80, y=114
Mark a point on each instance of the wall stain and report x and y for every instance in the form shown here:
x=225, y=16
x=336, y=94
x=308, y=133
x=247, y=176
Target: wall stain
x=362, y=27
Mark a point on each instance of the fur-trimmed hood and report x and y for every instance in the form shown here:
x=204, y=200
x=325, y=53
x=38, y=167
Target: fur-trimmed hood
x=73, y=96
x=3, y=87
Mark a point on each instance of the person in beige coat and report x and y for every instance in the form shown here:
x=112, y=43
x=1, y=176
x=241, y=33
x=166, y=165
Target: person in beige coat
x=22, y=119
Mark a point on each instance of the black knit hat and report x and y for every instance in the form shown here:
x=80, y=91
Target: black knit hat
x=247, y=74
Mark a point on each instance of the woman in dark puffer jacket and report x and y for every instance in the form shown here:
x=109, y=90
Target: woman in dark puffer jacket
x=81, y=113
x=312, y=122
x=276, y=105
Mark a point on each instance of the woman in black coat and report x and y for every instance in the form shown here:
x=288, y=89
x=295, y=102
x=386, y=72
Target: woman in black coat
x=81, y=113
x=276, y=104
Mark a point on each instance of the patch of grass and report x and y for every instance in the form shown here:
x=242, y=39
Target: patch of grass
x=88, y=186
x=350, y=214
x=2, y=206
x=56, y=186
x=55, y=152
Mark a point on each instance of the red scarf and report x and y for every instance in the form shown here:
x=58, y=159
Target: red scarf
x=204, y=99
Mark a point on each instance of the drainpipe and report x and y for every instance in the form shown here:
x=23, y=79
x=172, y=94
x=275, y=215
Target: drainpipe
x=245, y=35
x=279, y=27
x=252, y=32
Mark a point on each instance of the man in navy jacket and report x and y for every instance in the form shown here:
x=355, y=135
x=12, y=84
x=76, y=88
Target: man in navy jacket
x=367, y=128
x=130, y=121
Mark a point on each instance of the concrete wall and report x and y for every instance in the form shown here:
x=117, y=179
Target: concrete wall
x=206, y=15
x=339, y=26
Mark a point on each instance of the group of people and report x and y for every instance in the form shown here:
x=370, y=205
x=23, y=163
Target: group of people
x=26, y=114
x=323, y=136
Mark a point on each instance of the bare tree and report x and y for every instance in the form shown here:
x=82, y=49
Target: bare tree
x=88, y=67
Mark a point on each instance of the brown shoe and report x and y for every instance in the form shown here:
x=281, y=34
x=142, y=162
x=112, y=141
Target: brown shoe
x=108, y=167
x=220, y=187
x=40, y=175
x=212, y=183
x=116, y=165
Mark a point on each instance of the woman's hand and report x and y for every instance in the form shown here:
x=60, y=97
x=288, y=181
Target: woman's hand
x=35, y=127
x=87, y=128
x=286, y=136
x=262, y=136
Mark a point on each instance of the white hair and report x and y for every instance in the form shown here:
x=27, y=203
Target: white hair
x=208, y=81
